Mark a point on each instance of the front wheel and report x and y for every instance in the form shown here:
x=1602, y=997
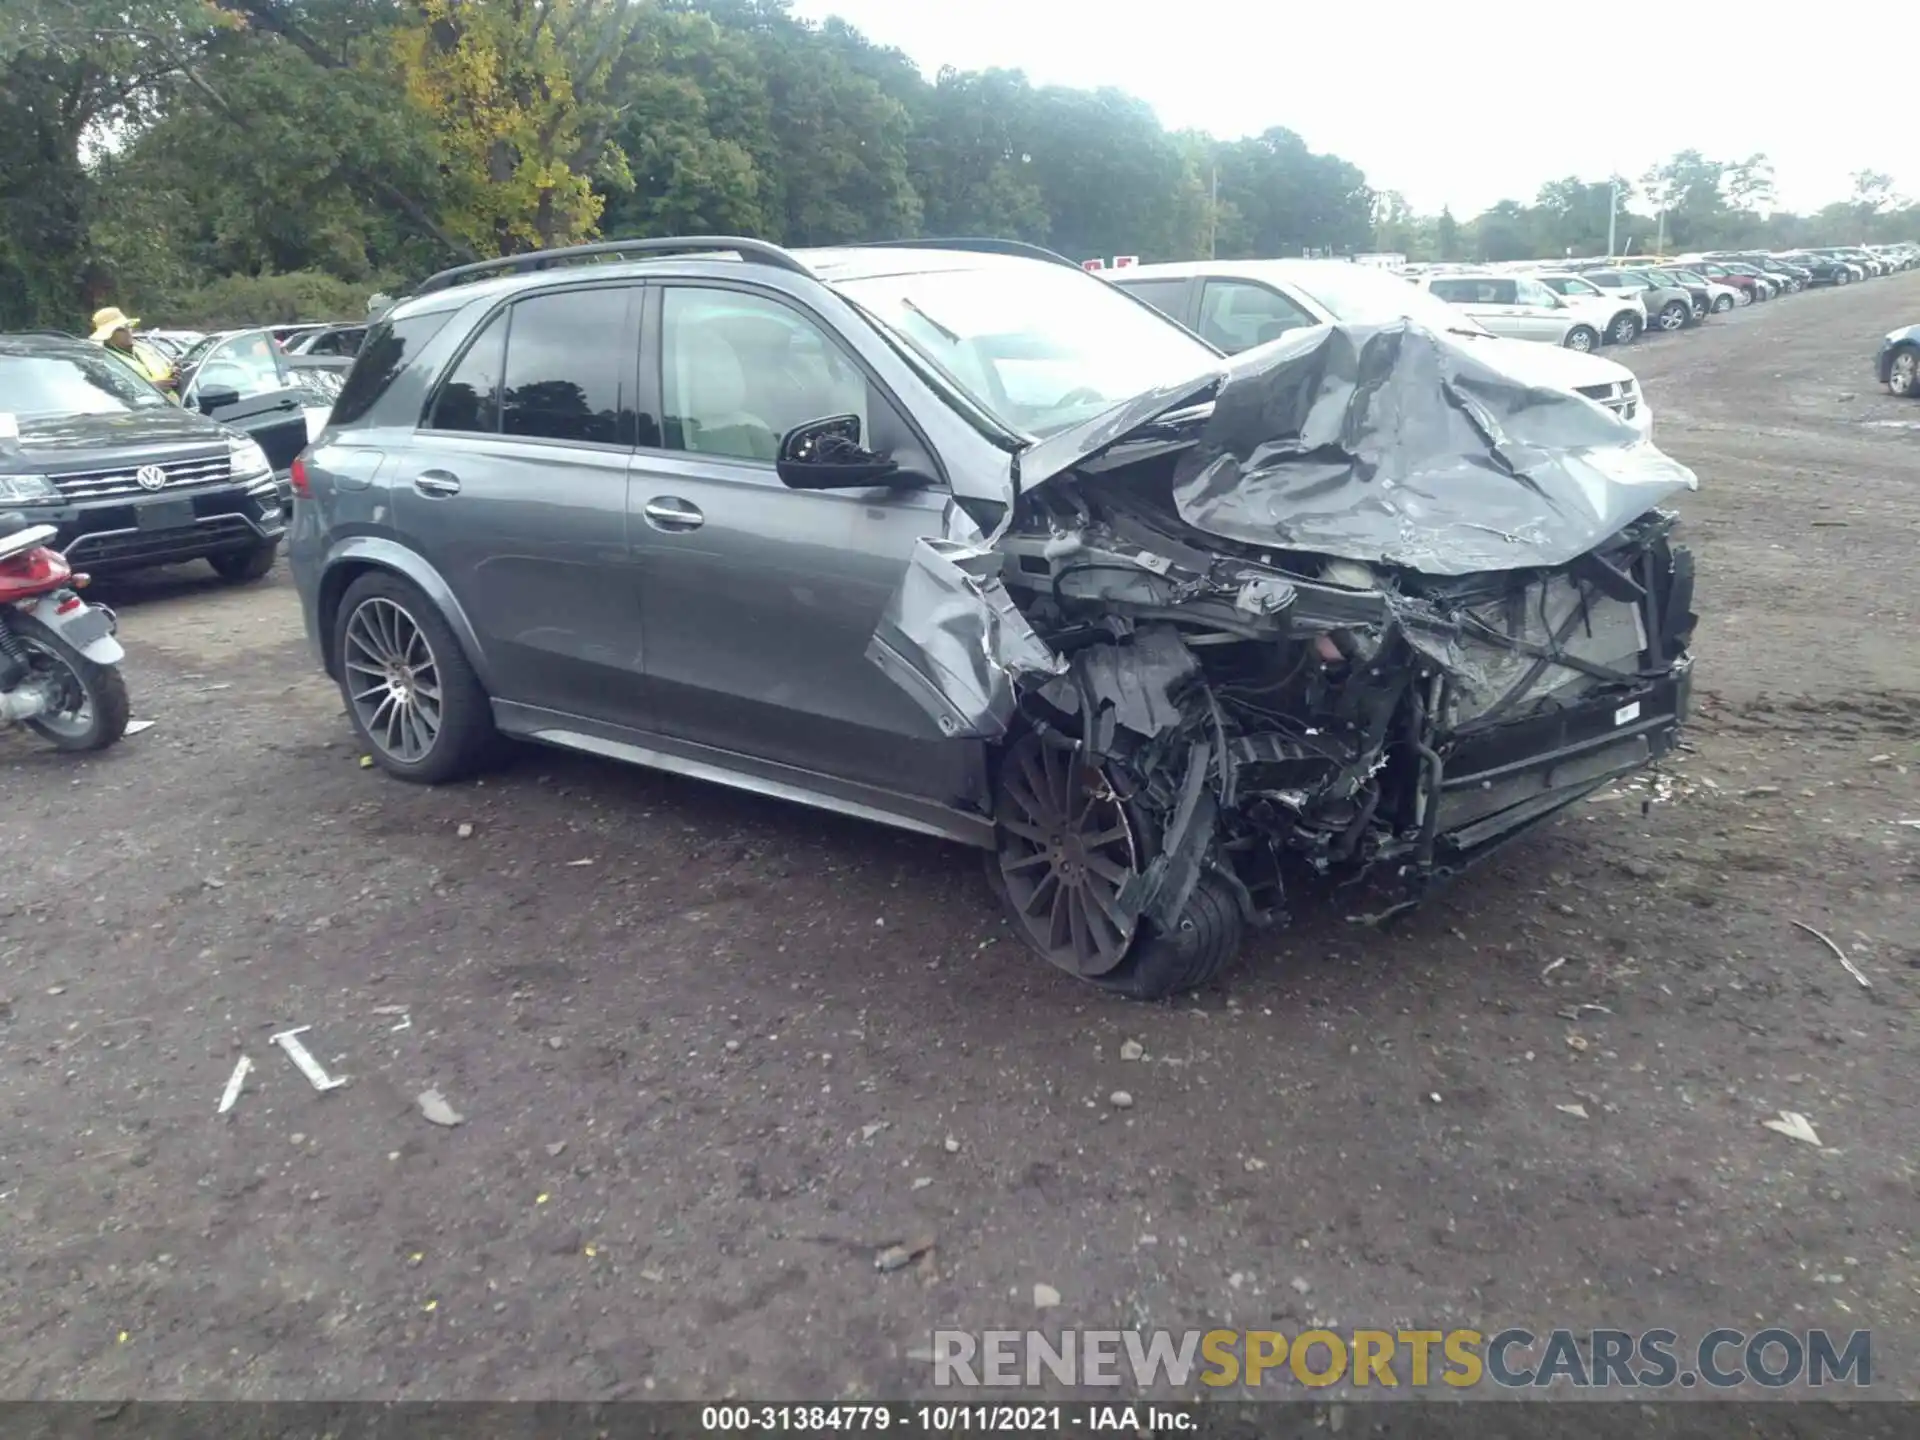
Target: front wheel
x=1903, y=372
x=89, y=708
x=1583, y=338
x=1673, y=315
x=1068, y=847
x=243, y=567
x=1722, y=304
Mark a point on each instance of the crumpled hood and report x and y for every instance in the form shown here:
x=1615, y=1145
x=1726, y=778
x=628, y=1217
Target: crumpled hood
x=1395, y=445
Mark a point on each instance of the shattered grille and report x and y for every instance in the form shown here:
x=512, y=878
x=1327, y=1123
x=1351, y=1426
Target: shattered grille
x=1606, y=632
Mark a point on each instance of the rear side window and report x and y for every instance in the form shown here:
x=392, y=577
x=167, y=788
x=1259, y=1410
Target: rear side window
x=1166, y=296
x=470, y=398
x=390, y=347
x=570, y=374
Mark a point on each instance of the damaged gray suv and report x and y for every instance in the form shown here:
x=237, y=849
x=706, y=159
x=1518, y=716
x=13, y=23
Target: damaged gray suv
x=955, y=537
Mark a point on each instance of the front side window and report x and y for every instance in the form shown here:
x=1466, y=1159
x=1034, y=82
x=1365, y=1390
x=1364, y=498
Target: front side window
x=1039, y=347
x=738, y=371
x=1237, y=315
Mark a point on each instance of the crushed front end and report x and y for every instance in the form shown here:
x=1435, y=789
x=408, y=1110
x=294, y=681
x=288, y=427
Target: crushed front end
x=1375, y=613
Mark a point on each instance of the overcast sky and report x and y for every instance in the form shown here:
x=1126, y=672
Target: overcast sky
x=1480, y=101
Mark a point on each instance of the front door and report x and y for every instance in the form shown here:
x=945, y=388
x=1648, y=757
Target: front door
x=515, y=489
x=243, y=381
x=758, y=602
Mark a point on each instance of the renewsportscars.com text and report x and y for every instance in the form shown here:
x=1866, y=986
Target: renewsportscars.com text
x=1512, y=1359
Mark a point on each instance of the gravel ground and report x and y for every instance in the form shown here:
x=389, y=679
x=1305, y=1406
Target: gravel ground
x=714, y=1052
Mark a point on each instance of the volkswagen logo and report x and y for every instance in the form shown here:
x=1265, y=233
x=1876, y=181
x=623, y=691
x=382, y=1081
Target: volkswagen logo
x=151, y=477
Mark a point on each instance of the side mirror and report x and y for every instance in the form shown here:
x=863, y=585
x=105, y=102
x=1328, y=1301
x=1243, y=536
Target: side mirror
x=827, y=455
x=209, y=398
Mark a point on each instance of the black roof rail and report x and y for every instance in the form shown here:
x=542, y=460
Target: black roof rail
x=984, y=245
x=760, y=252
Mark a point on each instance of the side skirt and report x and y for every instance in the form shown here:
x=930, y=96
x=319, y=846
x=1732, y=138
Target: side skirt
x=744, y=772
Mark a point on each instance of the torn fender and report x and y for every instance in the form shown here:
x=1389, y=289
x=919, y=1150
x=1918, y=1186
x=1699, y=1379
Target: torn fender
x=953, y=639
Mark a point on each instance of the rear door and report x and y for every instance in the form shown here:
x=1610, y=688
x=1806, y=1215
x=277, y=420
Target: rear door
x=1540, y=311
x=758, y=602
x=515, y=488
x=244, y=381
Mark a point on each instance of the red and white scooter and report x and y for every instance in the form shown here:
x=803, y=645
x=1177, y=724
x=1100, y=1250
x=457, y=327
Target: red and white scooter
x=59, y=663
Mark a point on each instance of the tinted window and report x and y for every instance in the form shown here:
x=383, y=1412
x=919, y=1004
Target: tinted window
x=570, y=367
x=470, y=397
x=1532, y=292
x=391, y=346
x=1237, y=315
x=1475, y=290
x=739, y=371
x=336, y=342
x=1166, y=296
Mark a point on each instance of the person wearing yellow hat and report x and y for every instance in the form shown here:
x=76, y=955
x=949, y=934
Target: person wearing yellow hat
x=113, y=328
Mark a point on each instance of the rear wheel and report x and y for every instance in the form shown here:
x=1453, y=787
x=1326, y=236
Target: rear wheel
x=242, y=567
x=1903, y=371
x=1068, y=846
x=412, y=696
x=1583, y=338
x=89, y=708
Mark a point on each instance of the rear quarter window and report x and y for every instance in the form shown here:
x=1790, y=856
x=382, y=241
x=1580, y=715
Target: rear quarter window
x=390, y=347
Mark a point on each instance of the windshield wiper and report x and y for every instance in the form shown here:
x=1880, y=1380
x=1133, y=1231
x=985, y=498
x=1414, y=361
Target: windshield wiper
x=949, y=336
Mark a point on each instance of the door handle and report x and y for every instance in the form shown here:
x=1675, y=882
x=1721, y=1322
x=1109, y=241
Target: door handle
x=670, y=512
x=436, y=482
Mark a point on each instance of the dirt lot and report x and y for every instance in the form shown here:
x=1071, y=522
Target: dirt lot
x=713, y=1052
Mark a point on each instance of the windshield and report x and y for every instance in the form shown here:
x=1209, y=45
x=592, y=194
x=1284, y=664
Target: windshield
x=73, y=384
x=1662, y=277
x=1038, y=347
x=1355, y=295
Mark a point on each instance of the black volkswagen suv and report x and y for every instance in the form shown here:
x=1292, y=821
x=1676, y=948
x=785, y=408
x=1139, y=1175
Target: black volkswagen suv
x=126, y=476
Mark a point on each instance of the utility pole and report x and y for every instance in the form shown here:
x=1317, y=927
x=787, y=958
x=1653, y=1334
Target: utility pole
x=1613, y=209
x=1213, y=213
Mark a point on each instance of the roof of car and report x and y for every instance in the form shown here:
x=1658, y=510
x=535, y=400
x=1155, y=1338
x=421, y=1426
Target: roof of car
x=29, y=342
x=829, y=265
x=1250, y=269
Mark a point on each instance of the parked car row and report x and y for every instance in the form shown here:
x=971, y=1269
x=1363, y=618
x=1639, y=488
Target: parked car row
x=1582, y=304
